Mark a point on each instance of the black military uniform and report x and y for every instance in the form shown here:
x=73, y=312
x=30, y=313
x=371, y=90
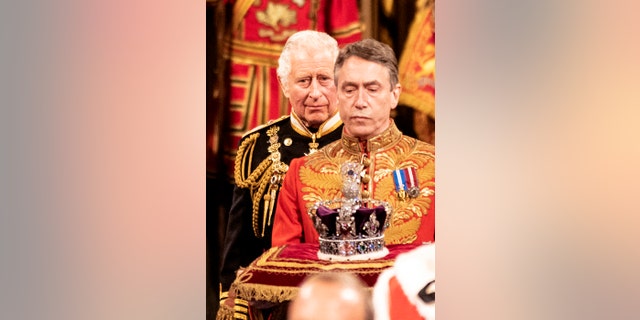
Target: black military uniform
x=264, y=154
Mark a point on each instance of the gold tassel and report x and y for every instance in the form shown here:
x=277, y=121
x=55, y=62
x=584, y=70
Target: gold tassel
x=272, y=205
x=267, y=202
x=224, y=313
x=269, y=293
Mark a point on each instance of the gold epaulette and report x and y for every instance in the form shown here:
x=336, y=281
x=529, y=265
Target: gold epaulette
x=262, y=126
x=243, y=175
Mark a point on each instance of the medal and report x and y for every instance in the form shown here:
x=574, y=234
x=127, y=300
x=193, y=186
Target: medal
x=406, y=183
x=412, y=182
x=313, y=145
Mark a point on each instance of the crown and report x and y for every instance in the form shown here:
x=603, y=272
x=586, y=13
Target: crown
x=351, y=228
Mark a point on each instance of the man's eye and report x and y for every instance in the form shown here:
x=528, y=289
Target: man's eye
x=304, y=82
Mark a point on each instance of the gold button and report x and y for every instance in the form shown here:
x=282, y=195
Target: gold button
x=288, y=142
x=366, y=178
x=365, y=194
x=366, y=162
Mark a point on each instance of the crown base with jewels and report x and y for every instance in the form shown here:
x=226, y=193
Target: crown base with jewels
x=351, y=229
x=352, y=250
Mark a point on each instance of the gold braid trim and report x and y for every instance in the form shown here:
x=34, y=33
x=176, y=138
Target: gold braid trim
x=240, y=173
x=261, y=292
x=257, y=180
x=256, y=198
x=224, y=312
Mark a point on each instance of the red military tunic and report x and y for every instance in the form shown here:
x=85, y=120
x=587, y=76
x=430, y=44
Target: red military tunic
x=317, y=177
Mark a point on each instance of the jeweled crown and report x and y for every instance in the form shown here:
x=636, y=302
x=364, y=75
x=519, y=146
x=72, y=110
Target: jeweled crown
x=351, y=228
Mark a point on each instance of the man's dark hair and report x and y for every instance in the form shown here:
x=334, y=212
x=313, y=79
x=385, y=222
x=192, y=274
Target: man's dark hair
x=370, y=50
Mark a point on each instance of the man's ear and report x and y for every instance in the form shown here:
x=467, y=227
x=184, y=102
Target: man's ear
x=285, y=89
x=395, y=95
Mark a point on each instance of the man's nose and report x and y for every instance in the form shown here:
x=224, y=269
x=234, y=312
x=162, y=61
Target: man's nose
x=361, y=101
x=314, y=89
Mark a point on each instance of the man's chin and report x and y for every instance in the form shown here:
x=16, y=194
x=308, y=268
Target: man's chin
x=360, y=133
x=316, y=121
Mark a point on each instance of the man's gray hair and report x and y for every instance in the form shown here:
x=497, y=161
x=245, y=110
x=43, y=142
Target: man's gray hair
x=318, y=41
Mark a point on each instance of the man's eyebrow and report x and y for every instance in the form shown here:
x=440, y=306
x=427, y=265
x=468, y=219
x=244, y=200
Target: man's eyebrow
x=372, y=83
x=349, y=84
x=366, y=84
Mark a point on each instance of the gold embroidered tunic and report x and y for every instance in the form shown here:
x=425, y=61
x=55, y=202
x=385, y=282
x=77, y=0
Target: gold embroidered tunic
x=317, y=177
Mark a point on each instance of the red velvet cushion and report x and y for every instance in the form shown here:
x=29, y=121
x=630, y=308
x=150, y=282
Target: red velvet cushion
x=276, y=274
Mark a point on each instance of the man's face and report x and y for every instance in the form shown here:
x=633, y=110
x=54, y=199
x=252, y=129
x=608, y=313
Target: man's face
x=310, y=87
x=365, y=98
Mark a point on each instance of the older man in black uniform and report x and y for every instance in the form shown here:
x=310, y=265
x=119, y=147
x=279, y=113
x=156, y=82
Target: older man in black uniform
x=305, y=72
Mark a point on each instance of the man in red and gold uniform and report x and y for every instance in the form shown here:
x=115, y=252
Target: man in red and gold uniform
x=397, y=168
x=258, y=33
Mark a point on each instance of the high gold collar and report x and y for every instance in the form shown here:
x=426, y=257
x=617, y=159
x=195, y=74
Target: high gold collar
x=326, y=127
x=381, y=141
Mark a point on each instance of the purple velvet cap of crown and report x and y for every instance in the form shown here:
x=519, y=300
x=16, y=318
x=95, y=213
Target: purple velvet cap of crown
x=362, y=218
x=328, y=218
x=363, y=215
